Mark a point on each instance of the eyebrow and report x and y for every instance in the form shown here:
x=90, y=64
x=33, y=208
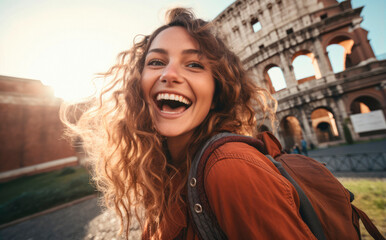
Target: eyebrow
x=185, y=52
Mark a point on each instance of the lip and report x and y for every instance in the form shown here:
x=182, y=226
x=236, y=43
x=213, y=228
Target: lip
x=170, y=115
x=171, y=92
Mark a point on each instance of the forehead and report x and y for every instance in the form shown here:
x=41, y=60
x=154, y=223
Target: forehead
x=174, y=38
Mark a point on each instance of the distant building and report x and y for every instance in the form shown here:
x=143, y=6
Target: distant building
x=270, y=36
x=31, y=134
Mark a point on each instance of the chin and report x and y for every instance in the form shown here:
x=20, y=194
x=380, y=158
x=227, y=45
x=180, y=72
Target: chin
x=171, y=132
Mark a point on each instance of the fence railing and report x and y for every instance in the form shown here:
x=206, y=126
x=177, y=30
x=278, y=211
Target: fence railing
x=354, y=162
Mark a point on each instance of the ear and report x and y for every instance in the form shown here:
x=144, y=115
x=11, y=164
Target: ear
x=212, y=106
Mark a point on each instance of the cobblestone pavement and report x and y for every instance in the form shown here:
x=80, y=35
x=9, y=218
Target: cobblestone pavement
x=106, y=226
x=81, y=221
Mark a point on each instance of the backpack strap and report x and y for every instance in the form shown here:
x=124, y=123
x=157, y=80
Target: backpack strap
x=203, y=217
x=204, y=221
x=369, y=225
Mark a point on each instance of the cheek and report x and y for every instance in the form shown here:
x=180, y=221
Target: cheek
x=206, y=92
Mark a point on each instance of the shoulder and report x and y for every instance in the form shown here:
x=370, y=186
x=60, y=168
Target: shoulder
x=239, y=155
x=249, y=196
x=241, y=167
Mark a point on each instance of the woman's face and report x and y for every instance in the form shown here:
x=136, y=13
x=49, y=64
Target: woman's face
x=177, y=83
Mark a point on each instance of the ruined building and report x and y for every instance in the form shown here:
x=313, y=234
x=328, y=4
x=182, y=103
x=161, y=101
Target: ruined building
x=31, y=133
x=273, y=36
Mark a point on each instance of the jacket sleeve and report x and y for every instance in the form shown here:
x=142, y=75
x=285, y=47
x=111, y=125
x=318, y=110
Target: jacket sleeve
x=253, y=201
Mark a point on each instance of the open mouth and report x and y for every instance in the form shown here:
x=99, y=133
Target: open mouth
x=172, y=103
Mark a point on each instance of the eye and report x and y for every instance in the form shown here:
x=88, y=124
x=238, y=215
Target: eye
x=195, y=65
x=155, y=62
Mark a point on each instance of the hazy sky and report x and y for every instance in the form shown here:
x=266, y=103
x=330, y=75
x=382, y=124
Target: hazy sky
x=64, y=42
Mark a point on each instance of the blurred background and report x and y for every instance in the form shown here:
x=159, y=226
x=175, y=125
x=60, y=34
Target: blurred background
x=323, y=60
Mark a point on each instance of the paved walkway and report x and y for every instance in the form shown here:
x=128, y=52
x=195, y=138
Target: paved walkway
x=358, y=157
x=86, y=220
x=83, y=220
x=369, y=147
x=66, y=223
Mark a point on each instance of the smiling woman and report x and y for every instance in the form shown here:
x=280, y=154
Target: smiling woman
x=164, y=98
x=174, y=69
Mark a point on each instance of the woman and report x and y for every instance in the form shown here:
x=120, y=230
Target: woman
x=166, y=96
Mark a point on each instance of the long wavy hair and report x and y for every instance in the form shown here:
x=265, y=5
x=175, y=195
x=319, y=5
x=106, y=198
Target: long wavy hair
x=131, y=163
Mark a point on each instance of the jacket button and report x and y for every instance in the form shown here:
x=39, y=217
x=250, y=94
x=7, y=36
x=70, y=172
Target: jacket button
x=193, y=182
x=197, y=208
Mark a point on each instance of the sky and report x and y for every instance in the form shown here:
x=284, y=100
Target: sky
x=64, y=43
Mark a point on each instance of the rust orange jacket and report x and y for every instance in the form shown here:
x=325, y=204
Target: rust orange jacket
x=248, y=195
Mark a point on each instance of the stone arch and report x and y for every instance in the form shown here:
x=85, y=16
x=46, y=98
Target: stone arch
x=321, y=103
x=345, y=43
x=291, y=131
x=305, y=66
x=369, y=92
x=359, y=50
x=336, y=37
x=289, y=112
x=274, y=78
x=324, y=125
x=364, y=104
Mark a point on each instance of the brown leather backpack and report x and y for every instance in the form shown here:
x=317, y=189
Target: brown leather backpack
x=325, y=204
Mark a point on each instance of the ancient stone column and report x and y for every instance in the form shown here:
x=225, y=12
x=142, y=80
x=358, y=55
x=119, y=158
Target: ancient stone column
x=288, y=74
x=309, y=134
x=321, y=56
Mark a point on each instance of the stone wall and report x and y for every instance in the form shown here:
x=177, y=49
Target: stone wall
x=30, y=129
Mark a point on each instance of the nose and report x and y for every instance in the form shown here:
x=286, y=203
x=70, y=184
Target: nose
x=171, y=73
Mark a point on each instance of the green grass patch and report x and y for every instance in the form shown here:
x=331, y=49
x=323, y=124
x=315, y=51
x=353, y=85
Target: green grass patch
x=32, y=194
x=370, y=196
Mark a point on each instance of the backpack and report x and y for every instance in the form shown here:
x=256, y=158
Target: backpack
x=325, y=205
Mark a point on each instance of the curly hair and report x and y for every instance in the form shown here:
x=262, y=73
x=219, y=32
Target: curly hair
x=131, y=163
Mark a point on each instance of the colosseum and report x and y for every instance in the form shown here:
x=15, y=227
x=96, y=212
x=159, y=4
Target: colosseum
x=281, y=41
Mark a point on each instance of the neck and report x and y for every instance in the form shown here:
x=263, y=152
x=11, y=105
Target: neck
x=177, y=147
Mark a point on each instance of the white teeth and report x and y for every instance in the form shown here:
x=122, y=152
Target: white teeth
x=172, y=96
